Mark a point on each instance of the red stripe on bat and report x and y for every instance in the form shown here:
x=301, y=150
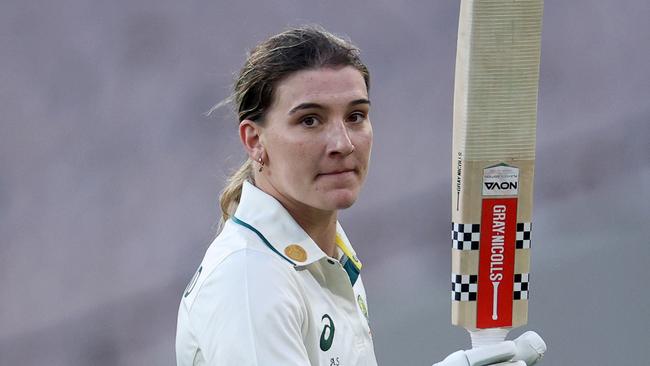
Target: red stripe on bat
x=496, y=262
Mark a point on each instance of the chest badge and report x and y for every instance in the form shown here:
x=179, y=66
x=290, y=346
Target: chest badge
x=327, y=336
x=363, y=307
x=296, y=252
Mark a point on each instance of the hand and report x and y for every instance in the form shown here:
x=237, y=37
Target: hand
x=526, y=350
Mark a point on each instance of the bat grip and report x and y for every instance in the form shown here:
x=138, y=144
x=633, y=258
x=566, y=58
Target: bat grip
x=489, y=336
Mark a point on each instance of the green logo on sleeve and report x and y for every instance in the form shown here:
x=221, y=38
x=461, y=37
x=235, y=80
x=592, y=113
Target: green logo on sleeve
x=327, y=337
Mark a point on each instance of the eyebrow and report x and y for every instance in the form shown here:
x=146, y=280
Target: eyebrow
x=302, y=106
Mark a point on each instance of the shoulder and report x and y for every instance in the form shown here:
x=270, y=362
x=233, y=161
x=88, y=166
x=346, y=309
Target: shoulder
x=237, y=262
x=248, y=288
x=241, y=292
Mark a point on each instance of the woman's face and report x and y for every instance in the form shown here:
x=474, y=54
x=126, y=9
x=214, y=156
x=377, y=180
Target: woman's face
x=316, y=139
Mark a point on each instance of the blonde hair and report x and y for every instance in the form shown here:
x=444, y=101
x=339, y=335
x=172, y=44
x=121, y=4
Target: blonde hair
x=231, y=194
x=295, y=49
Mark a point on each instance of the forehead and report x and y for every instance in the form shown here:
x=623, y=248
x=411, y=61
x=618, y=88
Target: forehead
x=324, y=85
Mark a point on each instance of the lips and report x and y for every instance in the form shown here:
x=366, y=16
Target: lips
x=338, y=173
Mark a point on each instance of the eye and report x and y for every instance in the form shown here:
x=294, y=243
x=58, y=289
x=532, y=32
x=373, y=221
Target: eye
x=310, y=121
x=357, y=117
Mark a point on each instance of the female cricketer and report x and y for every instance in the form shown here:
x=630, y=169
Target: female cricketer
x=281, y=284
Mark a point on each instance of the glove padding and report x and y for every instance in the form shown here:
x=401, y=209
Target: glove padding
x=526, y=350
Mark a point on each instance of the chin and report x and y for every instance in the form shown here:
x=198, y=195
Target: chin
x=341, y=200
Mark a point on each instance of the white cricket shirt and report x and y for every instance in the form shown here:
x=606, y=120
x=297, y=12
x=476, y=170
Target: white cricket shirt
x=266, y=294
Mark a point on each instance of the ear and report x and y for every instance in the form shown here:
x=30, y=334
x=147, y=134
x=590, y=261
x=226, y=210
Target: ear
x=249, y=134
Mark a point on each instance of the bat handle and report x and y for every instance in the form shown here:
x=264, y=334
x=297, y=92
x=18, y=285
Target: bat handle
x=489, y=336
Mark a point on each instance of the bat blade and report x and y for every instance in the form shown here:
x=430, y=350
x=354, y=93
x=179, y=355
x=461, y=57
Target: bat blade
x=495, y=117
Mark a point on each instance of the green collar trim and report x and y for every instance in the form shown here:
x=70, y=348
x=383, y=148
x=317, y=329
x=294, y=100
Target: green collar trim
x=251, y=228
x=348, y=265
x=351, y=270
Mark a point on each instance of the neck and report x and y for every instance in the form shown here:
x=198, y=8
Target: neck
x=320, y=226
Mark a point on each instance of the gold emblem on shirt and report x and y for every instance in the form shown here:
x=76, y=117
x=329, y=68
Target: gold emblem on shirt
x=296, y=252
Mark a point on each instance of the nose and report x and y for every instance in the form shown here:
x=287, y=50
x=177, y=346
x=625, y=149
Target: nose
x=339, y=142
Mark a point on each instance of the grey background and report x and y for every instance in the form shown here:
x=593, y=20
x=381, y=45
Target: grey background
x=109, y=173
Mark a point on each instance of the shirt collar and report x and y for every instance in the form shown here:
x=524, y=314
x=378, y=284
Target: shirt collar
x=265, y=216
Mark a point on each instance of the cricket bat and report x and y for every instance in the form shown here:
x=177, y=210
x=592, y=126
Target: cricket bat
x=493, y=161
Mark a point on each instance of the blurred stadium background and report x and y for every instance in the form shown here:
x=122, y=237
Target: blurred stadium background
x=110, y=172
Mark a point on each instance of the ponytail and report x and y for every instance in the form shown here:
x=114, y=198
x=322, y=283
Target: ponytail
x=231, y=194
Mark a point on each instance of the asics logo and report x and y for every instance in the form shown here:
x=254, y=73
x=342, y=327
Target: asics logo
x=327, y=336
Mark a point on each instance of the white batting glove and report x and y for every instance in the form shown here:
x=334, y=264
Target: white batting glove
x=526, y=350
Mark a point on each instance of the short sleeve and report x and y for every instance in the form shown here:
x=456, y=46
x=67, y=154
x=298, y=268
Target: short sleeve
x=250, y=311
